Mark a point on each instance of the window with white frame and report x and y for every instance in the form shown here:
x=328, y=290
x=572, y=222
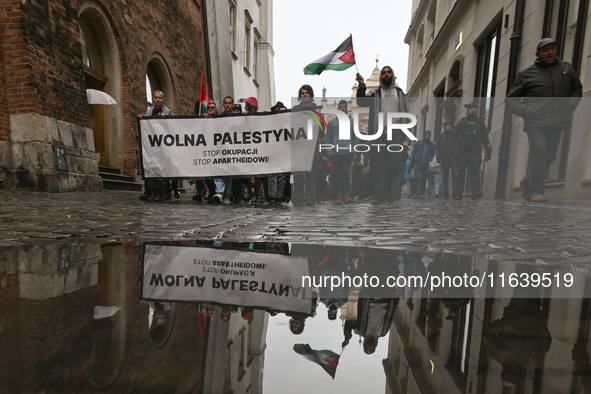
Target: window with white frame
x=255, y=53
x=247, y=24
x=232, y=15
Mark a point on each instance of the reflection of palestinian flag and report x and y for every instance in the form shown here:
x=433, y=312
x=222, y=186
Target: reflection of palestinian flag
x=325, y=358
x=340, y=59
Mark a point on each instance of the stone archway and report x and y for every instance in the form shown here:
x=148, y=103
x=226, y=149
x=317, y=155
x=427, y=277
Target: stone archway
x=102, y=71
x=158, y=78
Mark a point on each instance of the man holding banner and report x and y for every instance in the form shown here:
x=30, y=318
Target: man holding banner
x=304, y=189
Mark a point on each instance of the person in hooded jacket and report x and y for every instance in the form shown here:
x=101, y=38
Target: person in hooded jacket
x=423, y=153
x=385, y=165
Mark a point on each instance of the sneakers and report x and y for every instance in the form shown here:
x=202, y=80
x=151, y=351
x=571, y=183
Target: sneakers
x=476, y=195
x=538, y=198
x=197, y=197
x=436, y=194
x=226, y=201
x=217, y=198
x=177, y=195
x=525, y=191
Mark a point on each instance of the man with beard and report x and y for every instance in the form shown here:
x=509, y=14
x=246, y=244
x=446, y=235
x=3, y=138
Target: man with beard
x=384, y=165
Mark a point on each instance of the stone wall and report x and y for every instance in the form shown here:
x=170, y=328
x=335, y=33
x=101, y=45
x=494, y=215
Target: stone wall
x=47, y=317
x=29, y=160
x=50, y=343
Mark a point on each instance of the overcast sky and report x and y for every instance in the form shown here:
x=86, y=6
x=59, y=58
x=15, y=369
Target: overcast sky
x=287, y=372
x=305, y=30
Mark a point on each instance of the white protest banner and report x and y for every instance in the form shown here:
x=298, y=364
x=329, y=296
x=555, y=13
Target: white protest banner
x=194, y=274
x=179, y=147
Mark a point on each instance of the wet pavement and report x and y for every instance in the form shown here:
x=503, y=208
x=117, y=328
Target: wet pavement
x=555, y=232
x=101, y=292
x=218, y=317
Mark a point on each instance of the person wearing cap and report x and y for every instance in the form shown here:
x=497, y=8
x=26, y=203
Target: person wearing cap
x=532, y=98
x=279, y=107
x=212, y=109
x=469, y=135
x=422, y=153
x=252, y=106
x=446, y=155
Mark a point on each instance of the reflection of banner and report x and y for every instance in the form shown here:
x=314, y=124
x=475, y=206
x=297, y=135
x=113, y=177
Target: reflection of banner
x=191, y=274
x=226, y=146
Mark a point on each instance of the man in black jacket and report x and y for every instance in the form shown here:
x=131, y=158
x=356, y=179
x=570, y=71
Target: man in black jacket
x=469, y=135
x=533, y=96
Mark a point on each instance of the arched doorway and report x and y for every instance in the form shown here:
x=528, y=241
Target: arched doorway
x=158, y=78
x=102, y=71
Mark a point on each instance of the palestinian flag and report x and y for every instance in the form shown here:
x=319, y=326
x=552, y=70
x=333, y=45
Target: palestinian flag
x=325, y=358
x=203, y=96
x=340, y=59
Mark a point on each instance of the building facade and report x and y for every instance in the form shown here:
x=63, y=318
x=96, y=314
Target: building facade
x=468, y=50
x=241, y=50
x=433, y=350
x=53, y=50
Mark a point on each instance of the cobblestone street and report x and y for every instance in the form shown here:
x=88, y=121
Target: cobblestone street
x=556, y=232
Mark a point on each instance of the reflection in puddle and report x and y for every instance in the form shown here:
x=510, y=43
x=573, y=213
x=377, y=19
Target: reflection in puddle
x=218, y=317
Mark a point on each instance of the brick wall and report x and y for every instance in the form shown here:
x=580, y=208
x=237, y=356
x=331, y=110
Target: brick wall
x=174, y=29
x=6, y=23
x=42, y=59
x=56, y=342
x=9, y=334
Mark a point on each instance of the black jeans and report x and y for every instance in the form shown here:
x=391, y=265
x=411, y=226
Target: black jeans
x=421, y=172
x=543, y=145
x=448, y=166
x=470, y=159
x=341, y=173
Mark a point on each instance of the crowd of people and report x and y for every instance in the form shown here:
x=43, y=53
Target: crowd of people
x=339, y=175
x=342, y=174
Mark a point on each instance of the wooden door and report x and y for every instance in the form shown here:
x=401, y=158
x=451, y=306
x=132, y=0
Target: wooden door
x=100, y=115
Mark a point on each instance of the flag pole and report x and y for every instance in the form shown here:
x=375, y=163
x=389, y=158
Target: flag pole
x=351, y=35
